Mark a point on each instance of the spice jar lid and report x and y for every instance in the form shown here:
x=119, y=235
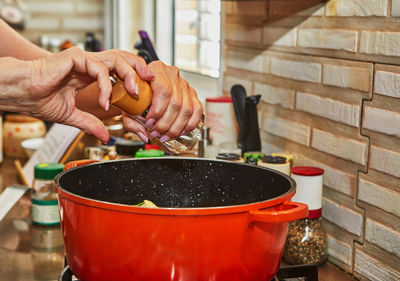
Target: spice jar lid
x=307, y=171
x=47, y=171
x=228, y=156
x=128, y=147
x=149, y=153
x=274, y=159
x=223, y=99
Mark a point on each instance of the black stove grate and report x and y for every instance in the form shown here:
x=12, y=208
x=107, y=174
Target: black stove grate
x=308, y=272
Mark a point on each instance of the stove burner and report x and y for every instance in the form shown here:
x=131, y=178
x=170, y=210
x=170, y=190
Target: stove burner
x=309, y=272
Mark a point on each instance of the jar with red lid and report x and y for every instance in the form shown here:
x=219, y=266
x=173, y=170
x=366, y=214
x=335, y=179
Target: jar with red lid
x=306, y=239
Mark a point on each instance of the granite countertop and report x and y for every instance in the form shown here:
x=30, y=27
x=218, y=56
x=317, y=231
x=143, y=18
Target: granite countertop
x=29, y=252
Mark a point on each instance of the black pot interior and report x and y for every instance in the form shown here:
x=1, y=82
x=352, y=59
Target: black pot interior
x=175, y=182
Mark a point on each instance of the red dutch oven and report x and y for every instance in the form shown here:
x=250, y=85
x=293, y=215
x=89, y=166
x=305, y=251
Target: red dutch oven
x=217, y=220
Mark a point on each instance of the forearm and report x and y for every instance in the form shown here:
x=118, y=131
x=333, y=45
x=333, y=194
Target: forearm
x=14, y=45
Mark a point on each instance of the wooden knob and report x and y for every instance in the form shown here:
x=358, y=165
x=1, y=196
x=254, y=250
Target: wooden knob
x=133, y=105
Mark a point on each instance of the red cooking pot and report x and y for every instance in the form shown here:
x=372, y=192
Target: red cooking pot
x=217, y=220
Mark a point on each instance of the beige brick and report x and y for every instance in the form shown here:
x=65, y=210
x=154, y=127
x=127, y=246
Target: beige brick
x=269, y=148
x=88, y=23
x=336, y=39
x=387, y=83
x=44, y=23
x=89, y=7
x=249, y=34
x=229, y=81
x=302, y=8
x=250, y=8
x=373, y=269
x=336, y=179
x=380, y=43
x=342, y=216
x=395, y=8
x=52, y=7
x=383, y=236
x=247, y=60
x=280, y=36
x=339, y=250
x=329, y=108
x=358, y=8
x=385, y=160
x=379, y=196
x=297, y=70
x=382, y=121
x=341, y=147
x=275, y=95
x=287, y=129
x=347, y=77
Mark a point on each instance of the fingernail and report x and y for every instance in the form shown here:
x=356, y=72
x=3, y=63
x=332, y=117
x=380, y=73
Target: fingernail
x=107, y=107
x=183, y=133
x=154, y=134
x=150, y=122
x=164, y=138
x=143, y=137
x=136, y=89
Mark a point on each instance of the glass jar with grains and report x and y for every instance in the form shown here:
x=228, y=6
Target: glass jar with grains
x=306, y=240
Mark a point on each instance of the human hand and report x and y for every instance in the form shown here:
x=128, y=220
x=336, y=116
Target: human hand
x=175, y=108
x=46, y=88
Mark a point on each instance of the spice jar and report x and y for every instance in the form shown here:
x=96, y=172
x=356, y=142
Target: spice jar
x=44, y=198
x=277, y=163
x=229, y=157
x=138, y=107
x=306, y=240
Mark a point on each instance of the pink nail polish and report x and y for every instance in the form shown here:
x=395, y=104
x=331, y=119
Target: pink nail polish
x=183, y=133
x=107, y=107
x=150, y=122
x=154, y=134
x=143, y=137
x=164, y=138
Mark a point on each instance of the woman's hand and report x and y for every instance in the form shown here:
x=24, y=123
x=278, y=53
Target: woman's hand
x=46, y=88
x=175, y=108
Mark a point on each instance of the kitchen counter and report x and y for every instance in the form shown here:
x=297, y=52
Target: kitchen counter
x=29, y=252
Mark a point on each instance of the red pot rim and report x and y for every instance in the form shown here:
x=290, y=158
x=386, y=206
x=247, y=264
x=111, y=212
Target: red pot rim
x=174, y=211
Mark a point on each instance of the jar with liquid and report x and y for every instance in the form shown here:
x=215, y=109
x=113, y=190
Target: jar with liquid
x=138, y=106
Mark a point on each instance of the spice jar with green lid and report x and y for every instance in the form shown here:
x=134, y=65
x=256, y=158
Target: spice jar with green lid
x=44, y=198
x=306, y=239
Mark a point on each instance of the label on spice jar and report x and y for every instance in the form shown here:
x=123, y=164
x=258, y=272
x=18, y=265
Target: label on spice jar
x=45, y=212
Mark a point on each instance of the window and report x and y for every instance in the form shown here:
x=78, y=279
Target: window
x=197, y=36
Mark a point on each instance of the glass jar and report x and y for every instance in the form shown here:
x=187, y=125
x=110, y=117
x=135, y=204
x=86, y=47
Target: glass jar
x=306, y=242
x=44, y=198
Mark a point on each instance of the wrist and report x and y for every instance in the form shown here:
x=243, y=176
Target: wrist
x=14, y=84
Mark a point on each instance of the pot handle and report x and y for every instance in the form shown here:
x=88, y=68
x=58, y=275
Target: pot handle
x=285, y=212
x=77, y=163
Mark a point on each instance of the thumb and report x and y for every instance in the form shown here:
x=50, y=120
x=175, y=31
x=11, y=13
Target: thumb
x=88, y=123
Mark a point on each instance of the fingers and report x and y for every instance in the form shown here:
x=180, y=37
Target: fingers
x=83, y=63
x=136, y=127
x=88, y=123
x=197, y=112
x=176, y=126
x=138, y=64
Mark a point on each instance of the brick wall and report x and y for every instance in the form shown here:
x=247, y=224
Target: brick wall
x=327, y=72
x=64, y=19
